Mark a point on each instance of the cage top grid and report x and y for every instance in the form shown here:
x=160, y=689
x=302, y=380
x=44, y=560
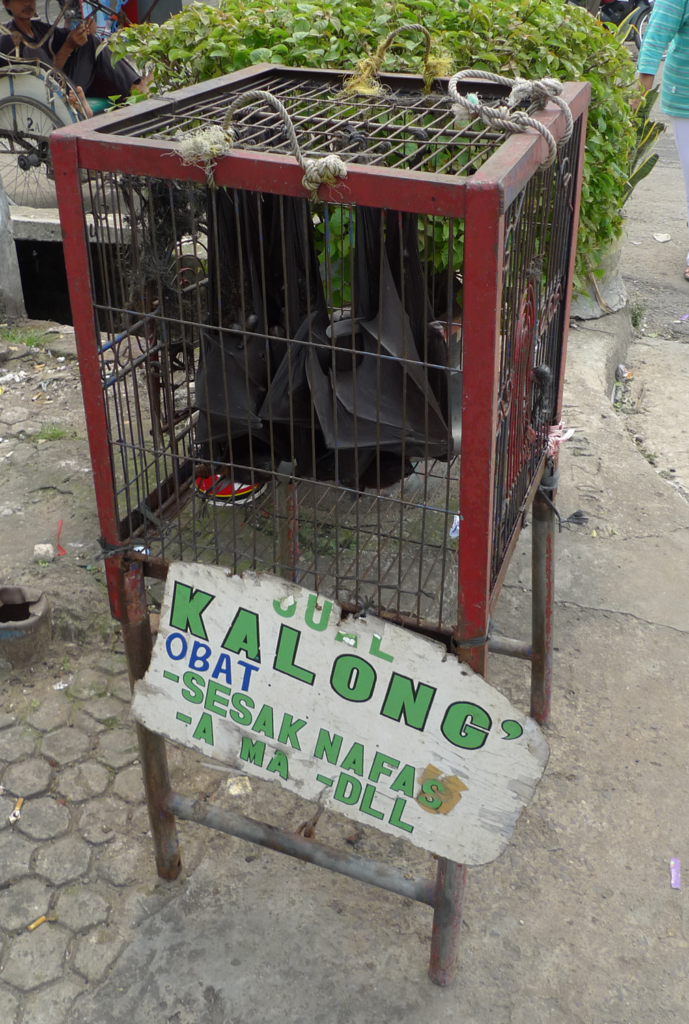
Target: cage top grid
x=400, y=128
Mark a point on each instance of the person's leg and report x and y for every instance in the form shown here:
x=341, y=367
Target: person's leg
x=80, y=66
x=113, y=79
x=680, y=127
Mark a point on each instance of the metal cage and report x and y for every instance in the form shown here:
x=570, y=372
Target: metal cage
x=354, y=389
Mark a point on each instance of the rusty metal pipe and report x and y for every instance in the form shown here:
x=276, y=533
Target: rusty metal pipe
x=510, y=648
x=447, y=920
x=542, y=594
x=364, y=870
x=138, y=645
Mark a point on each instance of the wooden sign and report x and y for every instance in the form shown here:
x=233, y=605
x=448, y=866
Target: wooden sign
x=369, y=719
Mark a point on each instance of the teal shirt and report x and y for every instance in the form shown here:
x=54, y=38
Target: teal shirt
x=669, y=25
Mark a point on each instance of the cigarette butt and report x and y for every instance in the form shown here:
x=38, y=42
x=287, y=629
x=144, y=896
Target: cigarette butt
x=14, y=816
x=39, y=920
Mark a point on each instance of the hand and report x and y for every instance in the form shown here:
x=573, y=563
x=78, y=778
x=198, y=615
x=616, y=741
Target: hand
x=645, y=82
x=79, y=35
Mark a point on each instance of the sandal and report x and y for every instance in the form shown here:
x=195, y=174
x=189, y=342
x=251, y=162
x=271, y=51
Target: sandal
x=686, y=273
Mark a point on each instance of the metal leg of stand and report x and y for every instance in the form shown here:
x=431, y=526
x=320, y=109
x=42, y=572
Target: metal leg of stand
x=542, y=587
x=138, y=646
x=447, y=921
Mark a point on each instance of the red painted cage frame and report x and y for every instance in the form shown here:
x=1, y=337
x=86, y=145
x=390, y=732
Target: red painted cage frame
x=481, y=200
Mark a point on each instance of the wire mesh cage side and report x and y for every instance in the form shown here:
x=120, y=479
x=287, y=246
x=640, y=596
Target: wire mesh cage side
x=536, y=264
x=282, y=383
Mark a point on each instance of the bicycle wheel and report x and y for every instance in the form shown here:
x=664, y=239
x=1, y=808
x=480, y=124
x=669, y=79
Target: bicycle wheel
x=53, y=8
x=640, y=28
x=25, y=165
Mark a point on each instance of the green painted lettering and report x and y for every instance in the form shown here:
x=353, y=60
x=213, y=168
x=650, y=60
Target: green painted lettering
x=428, y=795
x=375, y=650
x=347, y=790
x=466, y=726
x=193, y=683
x=328, y=745
x=289, y=610
x=253, y=751
x=365, y=807
x=214, y=699
x=352, y=677
x=241, y=702
x=264, y=722
x=286, y=653
x=324, y=616
x=354, y=761
x=204, y=730
x=396, y=815
x=289, y=729
x=188, y=606
x=404, y=783
x=403, y=699
x=278, y=763
x=243, y=636
x=380, y=766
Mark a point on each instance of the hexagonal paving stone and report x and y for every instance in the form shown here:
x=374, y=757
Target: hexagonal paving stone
x=52, y=714
x=104, y=708
x=43, y=819
x=83, y=781
x=82, y=908
x=120, y=687
x=28, y=778
x=87, y=683
x=65, y=745
x=64, y=860
x=16, y=743
x=126, y=861
x=15, y=854
x=9, y=1006
x=102, y=820
x=23, y=902
x=35, y=958
x=129, y=785
x=7, y=720
x=96, y=952
x=52, y=1005
x=87, y=724
x=118, y=748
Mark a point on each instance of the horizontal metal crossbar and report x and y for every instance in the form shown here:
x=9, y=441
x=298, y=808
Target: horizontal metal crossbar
x=364, y=870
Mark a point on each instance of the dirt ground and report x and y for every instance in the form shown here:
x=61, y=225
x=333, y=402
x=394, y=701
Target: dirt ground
x=576, y=923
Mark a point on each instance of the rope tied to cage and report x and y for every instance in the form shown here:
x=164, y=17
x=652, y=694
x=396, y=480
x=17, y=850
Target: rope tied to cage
x=327, y=170
x=536, y=93
x=364, y=79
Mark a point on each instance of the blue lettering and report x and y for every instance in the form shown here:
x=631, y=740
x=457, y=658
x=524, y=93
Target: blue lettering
x=168, y=646
x=224, y=668
x=248, y=669
x=199, y=657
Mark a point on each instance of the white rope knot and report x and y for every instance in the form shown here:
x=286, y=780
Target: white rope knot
x=327, y=170
x=536, y=93
x=204, y=146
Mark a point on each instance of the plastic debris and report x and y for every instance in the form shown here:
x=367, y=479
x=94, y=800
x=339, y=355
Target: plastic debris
x=675, y=879
x=661, y=236
x=17, y=812
x=60, y=549
x=60, y=685
x=557, y=435
x=636, y=243
x=43, y=553
x=454, y=529
x=235, y=787
x=622, y=373
x=683, y=318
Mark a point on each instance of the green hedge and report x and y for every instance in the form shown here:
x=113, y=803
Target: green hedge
x=531, y=38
